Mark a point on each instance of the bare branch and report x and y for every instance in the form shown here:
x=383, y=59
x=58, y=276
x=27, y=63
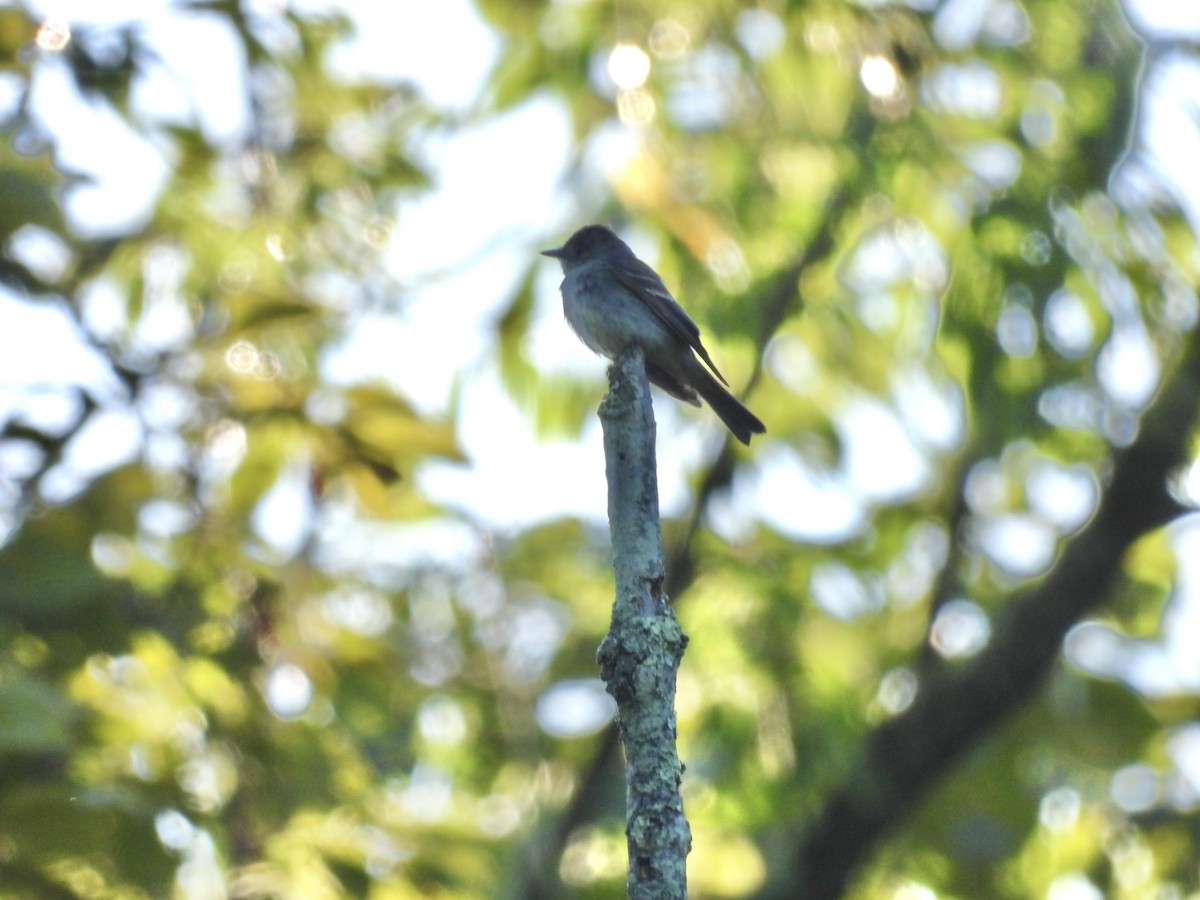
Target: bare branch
x=640, y=655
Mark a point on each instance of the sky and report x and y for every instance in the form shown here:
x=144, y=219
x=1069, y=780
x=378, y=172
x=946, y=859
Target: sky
x=496, y=223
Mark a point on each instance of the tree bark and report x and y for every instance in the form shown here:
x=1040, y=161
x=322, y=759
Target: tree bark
x=640, y=655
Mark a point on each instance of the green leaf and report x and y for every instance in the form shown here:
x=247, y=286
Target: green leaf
x=46, y=571
x=29, y=198
x=35, y=716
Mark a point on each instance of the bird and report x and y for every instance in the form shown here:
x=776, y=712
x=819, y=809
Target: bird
x=612, y=299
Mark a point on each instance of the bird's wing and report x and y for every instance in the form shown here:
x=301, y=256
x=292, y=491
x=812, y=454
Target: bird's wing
x=644, y=282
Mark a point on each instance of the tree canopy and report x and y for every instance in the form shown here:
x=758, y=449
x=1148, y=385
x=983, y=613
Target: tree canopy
x=941, y=616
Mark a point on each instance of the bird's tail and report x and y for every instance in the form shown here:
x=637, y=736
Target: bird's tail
x=739, y=420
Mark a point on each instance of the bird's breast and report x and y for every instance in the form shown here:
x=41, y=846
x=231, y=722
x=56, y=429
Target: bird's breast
x=606, y=315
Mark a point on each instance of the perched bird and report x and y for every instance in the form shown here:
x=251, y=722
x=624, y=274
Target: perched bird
x=612, y=299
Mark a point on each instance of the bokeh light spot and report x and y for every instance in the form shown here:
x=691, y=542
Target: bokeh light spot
x=879, y=77
x=960, y=629
x=628, y=66
x=288, y=690
x=53, y=35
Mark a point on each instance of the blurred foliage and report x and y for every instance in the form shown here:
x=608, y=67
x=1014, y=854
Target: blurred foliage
x=941, y=212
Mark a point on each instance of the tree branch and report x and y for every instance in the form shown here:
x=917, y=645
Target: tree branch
x=959, y=706
x=640, y=655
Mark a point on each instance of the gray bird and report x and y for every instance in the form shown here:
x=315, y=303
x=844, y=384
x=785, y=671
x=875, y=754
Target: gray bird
x=612, y=299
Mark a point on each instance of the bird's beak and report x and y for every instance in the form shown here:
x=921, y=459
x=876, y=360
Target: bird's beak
x=556, y=253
